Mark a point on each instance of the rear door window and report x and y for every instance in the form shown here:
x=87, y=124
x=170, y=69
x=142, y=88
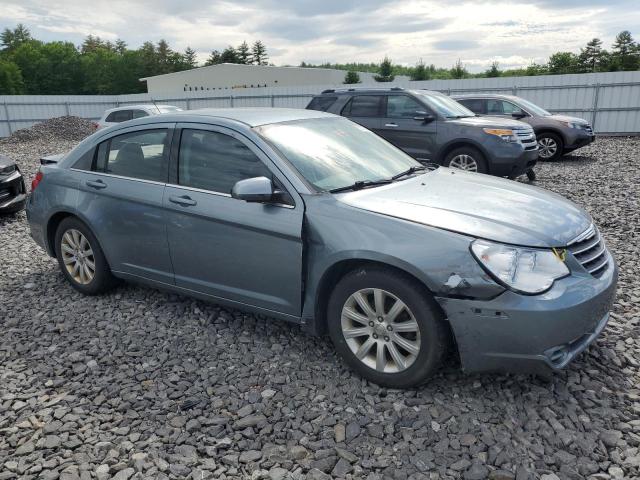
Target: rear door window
x=119, y=116
x=321, y=103
x=141, y=155
x=139, y=114
x=363, y=106
x=476, y=105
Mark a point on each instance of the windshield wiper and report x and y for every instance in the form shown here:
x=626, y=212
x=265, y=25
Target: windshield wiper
x=410, y=171
x=360, y=184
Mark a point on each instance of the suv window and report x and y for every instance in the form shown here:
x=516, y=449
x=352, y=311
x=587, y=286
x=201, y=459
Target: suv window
x=215, y=161
x=139, y=113
x=119, y=116
x=139, y=155
x=502, y=107
x=363, y=106
x=403, y=106
x=476, y=105
x=321, y=103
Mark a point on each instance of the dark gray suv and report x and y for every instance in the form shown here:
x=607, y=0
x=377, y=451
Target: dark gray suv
x=432, y=127
x=557, y=134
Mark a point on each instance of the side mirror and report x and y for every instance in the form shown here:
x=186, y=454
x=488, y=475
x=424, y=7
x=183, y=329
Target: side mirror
x=421, y=116
x=255, y=190
x=518, y=115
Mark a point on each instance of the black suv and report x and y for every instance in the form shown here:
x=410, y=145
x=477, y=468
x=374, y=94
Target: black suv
x=13, y=193
x=432, y=127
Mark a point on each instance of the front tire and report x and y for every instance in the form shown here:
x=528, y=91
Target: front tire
x=81, y=259
x=468, y=159
x=386, y=327
x=550, y=146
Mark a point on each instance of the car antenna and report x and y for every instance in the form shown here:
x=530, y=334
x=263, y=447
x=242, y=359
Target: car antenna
x=154, y=104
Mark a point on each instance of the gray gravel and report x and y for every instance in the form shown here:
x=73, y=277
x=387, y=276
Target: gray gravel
x=145, y=384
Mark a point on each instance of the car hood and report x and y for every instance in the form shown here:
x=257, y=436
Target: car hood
x=477, y=205
x=5, y=161
x=566, y=118
x=490, y=122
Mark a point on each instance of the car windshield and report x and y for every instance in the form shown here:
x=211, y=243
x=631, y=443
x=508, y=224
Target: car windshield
x=445, y=106
x=533, y=108
x=334, y=153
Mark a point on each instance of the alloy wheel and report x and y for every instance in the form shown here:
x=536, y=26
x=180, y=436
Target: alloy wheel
x=548, y=147
x=78, y=257
x=464, y=162
x=380, y=330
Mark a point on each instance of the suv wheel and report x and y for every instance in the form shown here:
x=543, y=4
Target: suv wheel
x=466, y=158
x=81, y=259
x=550, y=146
x=386, y=329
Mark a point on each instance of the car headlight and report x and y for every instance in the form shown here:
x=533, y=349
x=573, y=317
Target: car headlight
x=579, y=126
x=524, y=270
x=504, y=133
x=8, y=170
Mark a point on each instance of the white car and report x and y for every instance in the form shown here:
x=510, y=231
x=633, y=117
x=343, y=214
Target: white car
x=122, y=114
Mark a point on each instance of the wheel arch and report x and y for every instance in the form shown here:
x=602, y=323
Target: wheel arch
x=339, y=269
x=459, y=143
x=52, y=227
x=555, y=131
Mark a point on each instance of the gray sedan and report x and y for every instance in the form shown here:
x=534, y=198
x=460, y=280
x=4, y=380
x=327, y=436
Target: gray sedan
x=308, y=217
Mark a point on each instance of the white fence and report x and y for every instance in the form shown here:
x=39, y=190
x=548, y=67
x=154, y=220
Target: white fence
x=610, y=101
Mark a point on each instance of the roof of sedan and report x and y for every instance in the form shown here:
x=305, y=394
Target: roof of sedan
x=257, y=116
x=484, y=95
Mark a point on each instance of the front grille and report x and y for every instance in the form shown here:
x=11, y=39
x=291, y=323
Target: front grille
x=527, y=139
x=590, y=251
x=5, y=193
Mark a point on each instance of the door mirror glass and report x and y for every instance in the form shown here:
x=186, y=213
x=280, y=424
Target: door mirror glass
x=519, y=114
x=255, y=190
x=422, y=116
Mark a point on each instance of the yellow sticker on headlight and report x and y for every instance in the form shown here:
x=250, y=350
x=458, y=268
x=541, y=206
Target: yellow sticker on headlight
x=560, y=253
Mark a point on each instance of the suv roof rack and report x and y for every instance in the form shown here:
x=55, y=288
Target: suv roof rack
x=363, y=89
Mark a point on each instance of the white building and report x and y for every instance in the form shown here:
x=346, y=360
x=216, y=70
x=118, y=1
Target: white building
x=230, y=76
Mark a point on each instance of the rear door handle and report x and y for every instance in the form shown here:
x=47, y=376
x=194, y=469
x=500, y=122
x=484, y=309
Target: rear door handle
x=97, y=184
x=184, y=200
x=390, y=124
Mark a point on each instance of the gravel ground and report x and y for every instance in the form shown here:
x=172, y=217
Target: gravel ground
x=145, y=384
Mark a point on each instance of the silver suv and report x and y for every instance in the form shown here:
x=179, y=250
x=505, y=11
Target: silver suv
x=557, y=134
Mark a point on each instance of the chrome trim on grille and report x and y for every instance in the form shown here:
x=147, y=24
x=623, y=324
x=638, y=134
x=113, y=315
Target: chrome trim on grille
x=589, y=250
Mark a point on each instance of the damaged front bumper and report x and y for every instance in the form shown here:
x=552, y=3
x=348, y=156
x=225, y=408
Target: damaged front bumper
x=532, y=333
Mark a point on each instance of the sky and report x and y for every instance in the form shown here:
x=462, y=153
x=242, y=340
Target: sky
x=512, y=32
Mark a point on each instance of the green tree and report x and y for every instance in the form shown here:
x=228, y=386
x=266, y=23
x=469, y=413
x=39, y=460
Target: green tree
x=351, y=77
x=625, y=52
x=99, y=67
x=459, y=70
x=563, y=62
x=214, y=58
x=91, y=44
x=244, y=53
x=385, y=71
x=592, y=58
x=12, y=39
x=493, y=70
x=10, y=79
x=420, y=72
x=190, y=58
x=229, y=55
x=259, y=53
x=120, y=46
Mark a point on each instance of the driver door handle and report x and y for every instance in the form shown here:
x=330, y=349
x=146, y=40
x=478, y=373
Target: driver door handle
x=97, y=184
x=184, y=200
x=390, y=124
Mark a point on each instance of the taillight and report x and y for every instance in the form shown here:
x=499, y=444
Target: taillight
x=34, y=183
x=96, y=126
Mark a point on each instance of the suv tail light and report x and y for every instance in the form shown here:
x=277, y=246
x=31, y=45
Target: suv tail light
x=36, y=180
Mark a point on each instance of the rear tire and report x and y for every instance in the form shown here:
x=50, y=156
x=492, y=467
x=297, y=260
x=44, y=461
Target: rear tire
x=81, y=259
x=551, y=146
x=468, y=159
x=398, y=345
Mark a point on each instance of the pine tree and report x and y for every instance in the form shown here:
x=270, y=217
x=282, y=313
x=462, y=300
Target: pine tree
x=12, y=39
x=591, y=57
x=458, y=70
x=229, y=55
x=259, y=53
x=189, y=58
x=244, y=53
x=386, y=71
x=494, y=70
x=420, y=72
x=351, y=77
x=214, y=58
x=625, y=52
